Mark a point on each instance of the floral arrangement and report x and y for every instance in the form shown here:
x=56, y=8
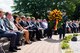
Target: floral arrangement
x=55, y=15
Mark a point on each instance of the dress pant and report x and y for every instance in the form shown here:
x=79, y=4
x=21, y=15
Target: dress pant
x=38, y=34
x=45, y=32
x=12, y=36
x=19, y=34
x=61, y=35
x=35, y=32
x=41, y=34
x=49, y=33
x=31, y=35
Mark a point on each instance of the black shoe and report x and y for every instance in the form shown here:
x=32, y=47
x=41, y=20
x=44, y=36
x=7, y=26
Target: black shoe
x=18, y=44
x=17, y=48
x=42, y=37
x=12, y=50
x=33, y=40
x=38, y=39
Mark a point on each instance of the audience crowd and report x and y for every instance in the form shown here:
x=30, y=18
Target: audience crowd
x=73, y=26
x=15, y=27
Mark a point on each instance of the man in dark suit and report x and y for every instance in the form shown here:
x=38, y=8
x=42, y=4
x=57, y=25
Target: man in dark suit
x=49, y=30
x=23, y=22
x=31, y=26
x=62, y=31
x=27, y=26
x=10, y=26
x=37, y=29
x=9, y=34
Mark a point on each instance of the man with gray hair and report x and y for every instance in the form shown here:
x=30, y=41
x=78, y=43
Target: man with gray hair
x=8, y=34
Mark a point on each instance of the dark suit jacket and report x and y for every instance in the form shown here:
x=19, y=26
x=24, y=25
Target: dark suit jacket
x=34, y=25
x=39, y=25
x=62, y=29
x=31, y=25
x=1, y=30
x=7, y=23
x=23, y=24
x=26, y=24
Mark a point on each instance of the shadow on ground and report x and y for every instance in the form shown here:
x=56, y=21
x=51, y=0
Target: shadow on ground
x=52, y=40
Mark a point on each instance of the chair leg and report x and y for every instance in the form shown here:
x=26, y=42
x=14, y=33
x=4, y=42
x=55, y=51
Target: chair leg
x=1, y=49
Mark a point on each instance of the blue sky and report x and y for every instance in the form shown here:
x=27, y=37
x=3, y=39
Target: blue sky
x=5, y=5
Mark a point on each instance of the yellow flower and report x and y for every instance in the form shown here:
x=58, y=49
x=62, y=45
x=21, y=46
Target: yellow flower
x=55, y=14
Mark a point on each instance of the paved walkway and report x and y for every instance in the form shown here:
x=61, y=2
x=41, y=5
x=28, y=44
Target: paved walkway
x=75, y=45
x=44, y=46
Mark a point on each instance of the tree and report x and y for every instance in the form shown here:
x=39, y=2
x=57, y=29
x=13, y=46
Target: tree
x=76, y=14
x=40, y=8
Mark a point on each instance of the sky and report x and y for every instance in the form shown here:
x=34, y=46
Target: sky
x=5, y=5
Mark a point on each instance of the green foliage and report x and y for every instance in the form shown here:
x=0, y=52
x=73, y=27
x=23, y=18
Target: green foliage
x=65, y=41
x=68, y=38
x=64, y=45
x=40, y=8
x=75, y=34
x=60, y=24
x=51, y=24
x=76, y=13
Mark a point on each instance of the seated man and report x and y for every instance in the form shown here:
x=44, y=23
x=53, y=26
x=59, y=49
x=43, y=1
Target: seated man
x=10, y=25
x=45, y=27
x=39, y=27
x=8, y=34
x=27, y=26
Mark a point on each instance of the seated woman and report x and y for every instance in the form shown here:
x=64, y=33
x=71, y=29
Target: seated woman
x=26, y=32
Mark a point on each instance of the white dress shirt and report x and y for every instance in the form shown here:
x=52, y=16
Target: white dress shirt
x=13, y=25
x=45, y=25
